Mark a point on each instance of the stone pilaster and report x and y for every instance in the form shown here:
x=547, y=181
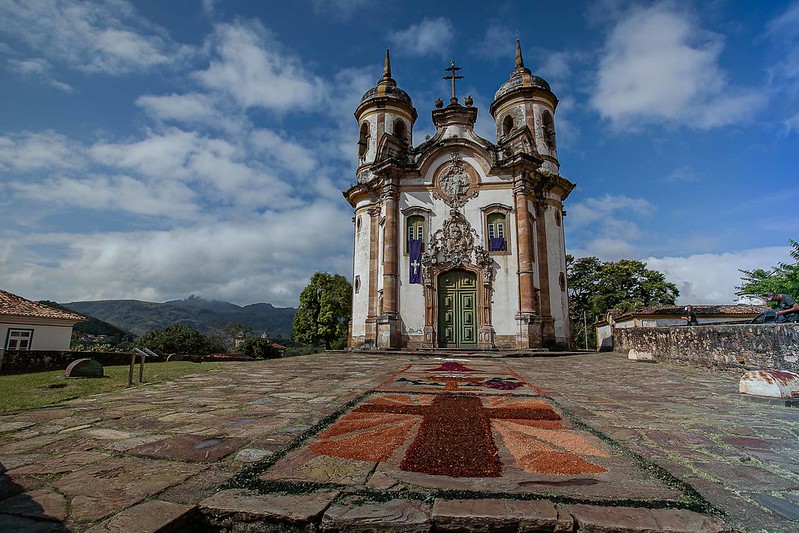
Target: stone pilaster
x=374, y=257
x=389, y=333
x=547, y=322
x=529, y=324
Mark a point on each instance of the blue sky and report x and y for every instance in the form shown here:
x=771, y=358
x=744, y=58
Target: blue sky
x=154, y=150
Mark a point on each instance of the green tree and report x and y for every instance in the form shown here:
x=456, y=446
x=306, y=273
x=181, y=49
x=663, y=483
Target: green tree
x=181, y=339
x=258, y=347
x=324, y=312
x=226, y=334
x=595, y=287
x=782, y=279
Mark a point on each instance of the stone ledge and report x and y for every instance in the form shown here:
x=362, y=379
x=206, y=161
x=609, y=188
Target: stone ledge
x=410, y=516
x=246, y=510
x=500, y=515
x=151, y=517
x=599, y=519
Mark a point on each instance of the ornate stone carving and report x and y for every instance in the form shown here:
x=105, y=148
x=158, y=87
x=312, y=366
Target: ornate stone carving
x=455, y=245
x=365, y=176
x=455, y=183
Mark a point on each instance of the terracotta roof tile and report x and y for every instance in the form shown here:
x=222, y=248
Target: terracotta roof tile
x=11, y=304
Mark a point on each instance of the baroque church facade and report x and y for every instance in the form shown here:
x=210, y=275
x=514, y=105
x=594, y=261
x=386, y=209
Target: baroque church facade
x=458, y=241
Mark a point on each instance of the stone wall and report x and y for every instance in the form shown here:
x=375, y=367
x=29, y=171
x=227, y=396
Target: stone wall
x=724, y=347
x=23, y=362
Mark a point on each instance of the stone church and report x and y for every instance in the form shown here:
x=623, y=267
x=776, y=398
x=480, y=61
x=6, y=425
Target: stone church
x=459, y=240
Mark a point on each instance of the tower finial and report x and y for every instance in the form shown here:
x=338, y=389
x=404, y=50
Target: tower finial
x=519, y=60
x=387, y=66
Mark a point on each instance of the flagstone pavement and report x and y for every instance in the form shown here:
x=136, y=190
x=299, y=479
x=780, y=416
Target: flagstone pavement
x=252, y=446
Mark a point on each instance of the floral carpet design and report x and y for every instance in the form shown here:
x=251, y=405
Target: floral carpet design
x=458, y=419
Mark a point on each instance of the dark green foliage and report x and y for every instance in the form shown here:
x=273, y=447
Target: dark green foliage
x=595, y=287
x=324, y=312
x=227, y=334
x=258, y=347
x=782, y=279
x=180, y=339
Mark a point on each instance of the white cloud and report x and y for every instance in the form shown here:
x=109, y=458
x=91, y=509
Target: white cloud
x=660, y=66
x=105, y=36
x=288, y=154
x=605, y=227
x=116, y=193
x=593, y=210
x=497, y=43
x=784, y=30
x=261, y=260
x=683, y=173
x=39, y=68
x=35, y=151
x=342, y=9
x=249, y=66
x=194, y=109
x=712, y=278
x=430, y=36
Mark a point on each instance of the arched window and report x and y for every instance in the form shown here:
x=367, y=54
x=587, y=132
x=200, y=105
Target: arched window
x=548, y=129
x=415, y=230
x=363, y=140
x=357, y=284
x=507, y=125
x=497, y=232
x=400, y=131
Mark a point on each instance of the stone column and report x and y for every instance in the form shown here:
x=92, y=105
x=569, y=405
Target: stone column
x=529, y=332
x=389, y=335
x=374, y=256
x=547, y=322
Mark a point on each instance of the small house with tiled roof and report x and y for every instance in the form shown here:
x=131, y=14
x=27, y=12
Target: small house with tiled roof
x=29, y=325
x=671, y=315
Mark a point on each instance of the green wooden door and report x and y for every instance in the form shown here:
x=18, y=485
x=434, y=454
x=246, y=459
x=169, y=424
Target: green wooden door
x=457, y=309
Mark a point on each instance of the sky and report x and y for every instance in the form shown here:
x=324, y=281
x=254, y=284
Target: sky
x=153, y=150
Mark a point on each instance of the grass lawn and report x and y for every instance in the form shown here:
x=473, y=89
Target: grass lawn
x=25, y=391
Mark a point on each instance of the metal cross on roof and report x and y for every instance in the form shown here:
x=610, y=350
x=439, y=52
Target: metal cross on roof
x=452, y=68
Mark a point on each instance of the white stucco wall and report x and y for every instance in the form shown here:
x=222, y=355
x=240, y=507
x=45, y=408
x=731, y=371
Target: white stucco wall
x=360, y=268
x=44, y=337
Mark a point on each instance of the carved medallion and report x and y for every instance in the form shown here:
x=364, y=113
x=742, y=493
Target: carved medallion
x=455, y=185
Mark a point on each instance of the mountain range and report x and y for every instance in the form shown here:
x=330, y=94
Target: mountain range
x=139, y=317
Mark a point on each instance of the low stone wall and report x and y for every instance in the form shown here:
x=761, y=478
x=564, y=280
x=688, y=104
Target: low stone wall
x=23, y=362
x=725, y=347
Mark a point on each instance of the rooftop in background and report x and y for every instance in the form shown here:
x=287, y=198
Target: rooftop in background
x=13, y=305
x=670, y=311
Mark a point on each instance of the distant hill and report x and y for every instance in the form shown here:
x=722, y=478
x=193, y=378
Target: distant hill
x=92, y=325
x=140, y=317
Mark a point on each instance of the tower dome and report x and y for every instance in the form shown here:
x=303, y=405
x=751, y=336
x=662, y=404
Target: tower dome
x=384, y=110
x=527, y=100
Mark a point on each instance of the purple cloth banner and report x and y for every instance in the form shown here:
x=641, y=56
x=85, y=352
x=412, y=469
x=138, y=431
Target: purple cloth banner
x=496, y=244
x=415, y=249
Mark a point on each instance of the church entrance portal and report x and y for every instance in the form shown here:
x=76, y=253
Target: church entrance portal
x=457, y=309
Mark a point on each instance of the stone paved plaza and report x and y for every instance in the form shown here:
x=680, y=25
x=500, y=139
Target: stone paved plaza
x=587, y=442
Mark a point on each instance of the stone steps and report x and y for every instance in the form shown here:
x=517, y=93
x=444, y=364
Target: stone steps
x=330, y=510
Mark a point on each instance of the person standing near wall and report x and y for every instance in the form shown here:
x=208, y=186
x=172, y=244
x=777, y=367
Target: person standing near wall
x=690, y=316
x=787, y=308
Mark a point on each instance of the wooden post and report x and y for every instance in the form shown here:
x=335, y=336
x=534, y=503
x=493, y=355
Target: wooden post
x=132, y=364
